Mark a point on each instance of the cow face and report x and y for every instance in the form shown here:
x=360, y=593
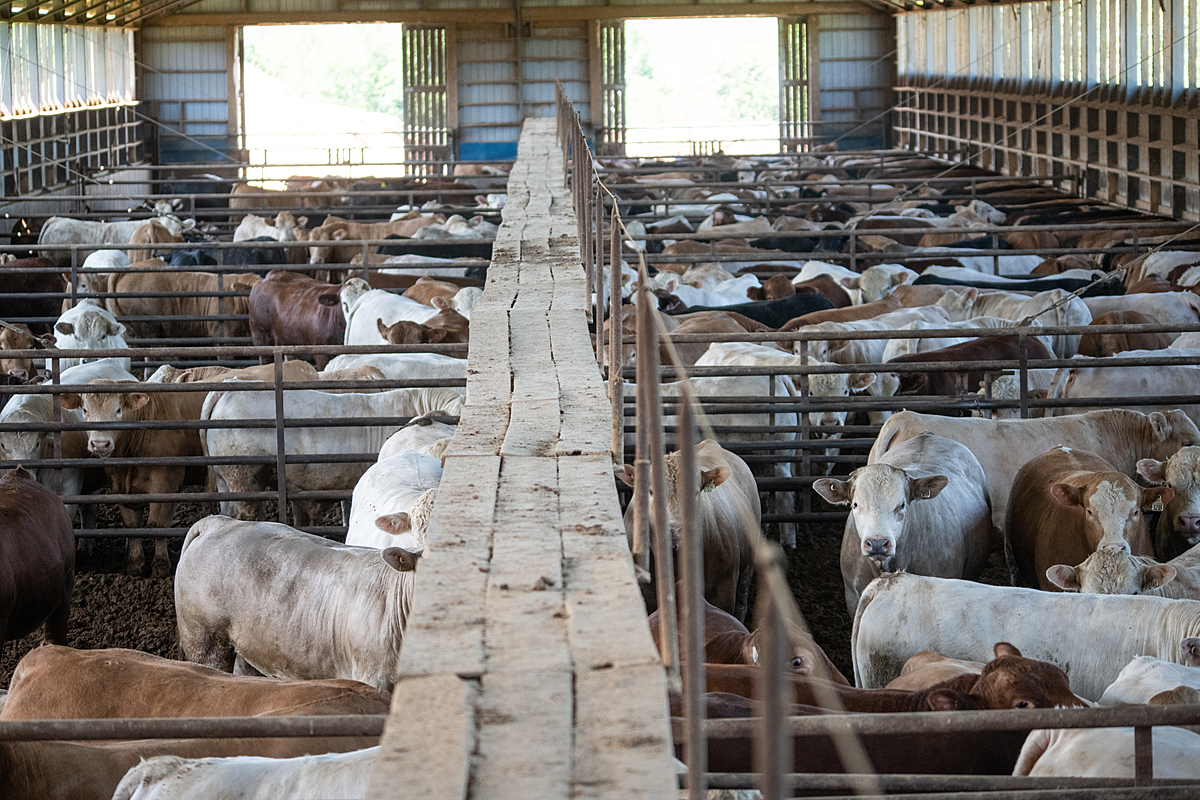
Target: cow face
x=409, y=332
x=1012, y=681
x=959, y=305
x=835, y=385
x=351, y=292
x=89, y=330
x=805, y=656
x=318, y=253
x=1111, y=571
x=20, y=445
x=1112, y=509
x=879, y=496
x=1181, y=472
x=101, y=408
x=17, y=340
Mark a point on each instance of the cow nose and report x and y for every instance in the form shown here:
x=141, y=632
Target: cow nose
x=873, y=548
x=1188, y=523
x=1121, y=545
x=100, y=447
x=828, y=421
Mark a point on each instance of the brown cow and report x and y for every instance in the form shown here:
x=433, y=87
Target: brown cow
x=825, y=285
x=153, y=232
x=954, y=383
x=287, y=308
x=778, y=286
x=16, y=278
x=1098, y=345
x=294, y=370
x=1064, y=505
x=22, y=339
x=53, y=682
x=928, y=668
x=1008, y=681
x=245, y=197
x=445, y=327
x=864, y=311
x=138, y=406
x=168, y=314
x=426, y=288
x=37, y=559
x=336, y=229
x=727, y=641
x=714, y=322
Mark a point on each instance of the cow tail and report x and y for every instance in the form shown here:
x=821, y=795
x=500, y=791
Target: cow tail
x=1035, y=746
x=210, y=402
x=195, y=531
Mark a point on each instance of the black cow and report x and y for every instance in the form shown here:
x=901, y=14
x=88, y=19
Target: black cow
x=772, y=313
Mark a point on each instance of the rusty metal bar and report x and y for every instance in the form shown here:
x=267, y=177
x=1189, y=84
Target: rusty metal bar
x=832, y=781
x=616, y=320
x=1143, y=756
x=280, y=446
x=57, y=730
x=691, y=558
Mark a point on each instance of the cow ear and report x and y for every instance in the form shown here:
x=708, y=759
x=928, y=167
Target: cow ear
x=1153, y=471
x=301, y=222
x=626, y=475
x=70, y=401
x=137, y=399
x=435, y=335
x=970, y=295
x=115, y=328
x=1151, y=496
x=65, y=328
x=1002, y=649
x=755, y=293
x=1157, y=576
x=328, y=299
x=861, y=380
x=395, y=524
x=1064, y=577
x=1158, y=424
x=441, y=303
x=849, y=283
x=928, y=488
x=713, y=477
x=832, y=490
x=1066, y=494
x=400, y=559
x=949, y=700
x=339, y=234
x=383, y=329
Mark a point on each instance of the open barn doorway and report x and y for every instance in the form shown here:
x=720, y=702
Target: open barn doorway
x=323, y=99
x=702, y=85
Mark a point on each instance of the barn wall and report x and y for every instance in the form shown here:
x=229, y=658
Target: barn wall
x=856, y=74
x=1100, y=93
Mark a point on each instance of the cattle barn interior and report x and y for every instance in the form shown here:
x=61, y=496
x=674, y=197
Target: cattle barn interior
x=976, y=223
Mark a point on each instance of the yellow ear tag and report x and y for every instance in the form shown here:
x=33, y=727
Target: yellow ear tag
x=1157, y=505
x=708, y=487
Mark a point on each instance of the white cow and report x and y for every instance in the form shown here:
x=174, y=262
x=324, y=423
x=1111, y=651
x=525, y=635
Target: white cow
x=1008, y=387
x=289, y=604
x=413, y=264
x=1119, y=436
x=286, y=227
x=98, y=262
x=345, y=776
x=745, y=354
x=1179, y=526
x=865, y=351
x=465, y=299
x=39, y=408
x=1106, y=753
x=1145, y=676
x=392, y=502
x=88, y=326
x=363, y=313
x=308, y=404
x=922, y=508
x=67, y=231
x=1089, y=636
x=1114, y=571
x=1151, y=383
x=1052, y=308
x=422, y=434
x=725, y=293
x=1166, y=307
x=399, y=366
x=1002, y=282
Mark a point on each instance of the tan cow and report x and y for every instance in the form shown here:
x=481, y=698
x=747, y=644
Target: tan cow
x=55, y=682
x=1098, y=345
x=1119, y=436
x=137, y=406
x=1064, y=505
x=294, y=371
x=22, y=339
x=166, y=313
x=445, y=327
x=726, y=505
x=928, y=668
x=336, y=229
x=153, y=232
x=426, y=288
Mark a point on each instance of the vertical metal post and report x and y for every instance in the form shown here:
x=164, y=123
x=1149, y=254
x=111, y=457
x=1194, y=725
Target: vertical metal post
x=597, y=274
x=772, y=749
x=691, y=565
x=616, y=321
x=1023, y=372
x=221, y=306
x=641, y=458
x=805, y=431
x=280, y=454
x=75, y=278
x=56, y=411
x=1143, y=756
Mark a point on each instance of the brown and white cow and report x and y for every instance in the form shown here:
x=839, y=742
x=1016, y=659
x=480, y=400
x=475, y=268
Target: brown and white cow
x=139, y=406
x=1179, y=526
x=37, y=559
x=445, y=327
x=952, y=383
x=326, y=238
x=1065, y=504
x=922, y=508
x=54, y=682
x=726, y=504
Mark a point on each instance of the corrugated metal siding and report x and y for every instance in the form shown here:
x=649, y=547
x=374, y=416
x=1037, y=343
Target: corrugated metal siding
x=488, y=108
x=855, y=76
x=557, y=53
x=186, y=86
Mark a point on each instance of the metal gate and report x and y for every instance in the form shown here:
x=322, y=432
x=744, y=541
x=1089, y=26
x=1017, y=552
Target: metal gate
x=427, y=134
x=610, y=120
x=796, y=110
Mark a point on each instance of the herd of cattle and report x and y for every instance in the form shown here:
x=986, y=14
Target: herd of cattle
x=1089, y=507
x=348, y=430
x=1069, y=496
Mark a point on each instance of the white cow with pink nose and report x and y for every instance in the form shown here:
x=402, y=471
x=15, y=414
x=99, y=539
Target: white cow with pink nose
x=1179, y=526
x=923, y=508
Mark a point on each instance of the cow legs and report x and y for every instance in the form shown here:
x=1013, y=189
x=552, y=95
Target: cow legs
x=135, y=560
x=160, y=517
x=55, y=628
x=241, y=478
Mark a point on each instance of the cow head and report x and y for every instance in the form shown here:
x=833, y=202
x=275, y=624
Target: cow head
x=409, y=527
x=835, y=385
x=92, y=328
x=879, y=496
x=1012, y=681
x=409, y=332
x=1180, y=520
x=320, y=250
x=959, y=305
x=708, y=480
x=1111, y=509
x=877, y=282
x=22, y=339
x=350, y=293
x=1111, y=570
x=805, y=656
x=456, y=326
x=107, y=407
